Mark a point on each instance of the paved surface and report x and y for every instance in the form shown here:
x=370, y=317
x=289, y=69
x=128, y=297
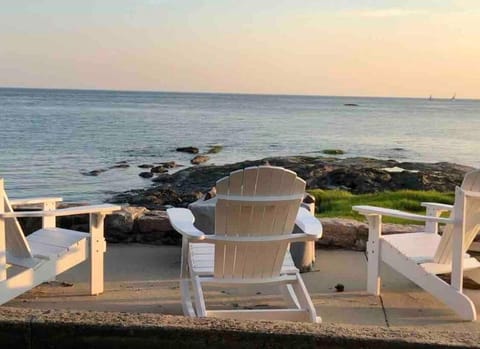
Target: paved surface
x=144, y=279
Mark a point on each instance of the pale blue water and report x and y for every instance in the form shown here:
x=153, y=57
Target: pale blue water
x=48, y=137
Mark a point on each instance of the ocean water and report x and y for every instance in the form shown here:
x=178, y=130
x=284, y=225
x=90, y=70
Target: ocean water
x=49, y=137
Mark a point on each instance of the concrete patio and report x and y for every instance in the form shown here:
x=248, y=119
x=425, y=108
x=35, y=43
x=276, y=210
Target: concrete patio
x=144, y=279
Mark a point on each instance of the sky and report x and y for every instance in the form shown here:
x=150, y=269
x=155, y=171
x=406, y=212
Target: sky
x=316, y=47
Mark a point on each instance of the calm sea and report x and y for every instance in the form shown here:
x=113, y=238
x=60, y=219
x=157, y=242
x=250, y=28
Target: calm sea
x=49, y=137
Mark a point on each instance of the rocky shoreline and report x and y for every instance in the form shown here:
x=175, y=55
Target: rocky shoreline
x=144, y=220
x=357, y=175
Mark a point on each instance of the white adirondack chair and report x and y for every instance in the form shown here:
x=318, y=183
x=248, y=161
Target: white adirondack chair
x=254, y=218
x=422, y=256
x=26, y=262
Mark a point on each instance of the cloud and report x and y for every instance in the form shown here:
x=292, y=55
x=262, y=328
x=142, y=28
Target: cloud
x=383, y=13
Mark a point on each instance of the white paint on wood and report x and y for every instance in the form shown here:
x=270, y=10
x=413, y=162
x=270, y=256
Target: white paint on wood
x=255, y=213
x=70, y=211
x=366, y=210
x=453, y=298
x=16, y=244
x=421, y=256
x=50, y=221
x=374, y=253
x=49, y=251
x=97, y=249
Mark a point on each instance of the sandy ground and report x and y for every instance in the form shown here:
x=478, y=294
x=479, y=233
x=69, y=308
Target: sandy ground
x=144, y=279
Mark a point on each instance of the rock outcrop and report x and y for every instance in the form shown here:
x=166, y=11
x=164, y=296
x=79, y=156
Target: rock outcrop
x=138, y=224
x=353, y=235
x=357, y=175
x=190, y=150
x=200, y=159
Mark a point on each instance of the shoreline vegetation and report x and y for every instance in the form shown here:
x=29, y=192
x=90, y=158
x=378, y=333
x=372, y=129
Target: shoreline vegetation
x=338, y=203
x=336, y=183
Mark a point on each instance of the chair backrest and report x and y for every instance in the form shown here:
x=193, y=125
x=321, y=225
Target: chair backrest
x=15, y=242
x=469, y=222
x=255, y=202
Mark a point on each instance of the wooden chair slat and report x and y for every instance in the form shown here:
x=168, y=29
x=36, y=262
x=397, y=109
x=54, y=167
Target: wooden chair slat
x=256, y=202
x=15, y=241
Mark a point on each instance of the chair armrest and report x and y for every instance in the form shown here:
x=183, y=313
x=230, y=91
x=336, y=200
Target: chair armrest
x=372, y=210
x=102, y=209
x=308, y=223
x=301, y=237
x=437, y=206
x=182, y=221
x=33, y=201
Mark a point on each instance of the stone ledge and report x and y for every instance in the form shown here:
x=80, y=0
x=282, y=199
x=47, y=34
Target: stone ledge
x=30, y=328
x=352, y=235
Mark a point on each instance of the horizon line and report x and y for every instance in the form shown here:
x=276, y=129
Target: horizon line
x=229, y=93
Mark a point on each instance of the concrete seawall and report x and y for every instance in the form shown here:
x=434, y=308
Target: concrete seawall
x=27, y=328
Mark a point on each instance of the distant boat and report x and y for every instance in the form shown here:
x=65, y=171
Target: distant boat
x=454, y=96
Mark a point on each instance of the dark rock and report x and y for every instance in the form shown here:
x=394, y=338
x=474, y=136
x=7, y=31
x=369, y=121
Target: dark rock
x=169, y=164
x=214, y=149
x=154, y=227
x=146, y=174
x=343, y=233
x=94, y=172
x=191, y=150
x=339, y=287
x=163, y=178
x=333, y=151
x=120, y=165
x=146, y=166
x=156, y=199
x=200, y=159
x=359, y=175
x=158, y=169
x=353, y=235
x=119, y=225
x=154, y=221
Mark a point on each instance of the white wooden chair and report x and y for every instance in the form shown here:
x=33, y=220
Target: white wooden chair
x=254, y=218
x=422, y=256
x=26, y=262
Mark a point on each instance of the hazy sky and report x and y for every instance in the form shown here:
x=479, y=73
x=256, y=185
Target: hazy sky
x=341, y=47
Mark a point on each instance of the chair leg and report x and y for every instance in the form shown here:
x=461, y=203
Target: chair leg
x=304, y=300
x=373, y=273
x=373, y=254
x=187, y=304
x=199, y=298
x=456, y=300
x=97, y=249
x=96, y=270
x=289, y=296
x=185, y=280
